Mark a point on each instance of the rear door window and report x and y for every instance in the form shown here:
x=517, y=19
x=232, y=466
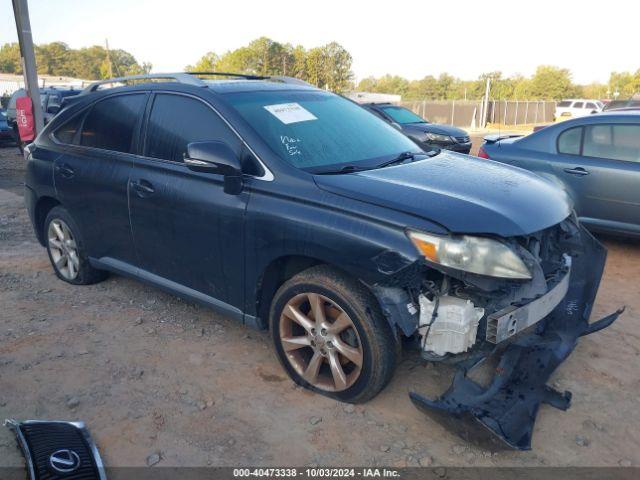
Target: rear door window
x=111, y=123
x=67, y=132
x=176, y=121
x=569, y=141
x=578, y=105
x=616, y=142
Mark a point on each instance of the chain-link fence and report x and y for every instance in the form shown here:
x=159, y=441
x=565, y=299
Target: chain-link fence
x=465, y=113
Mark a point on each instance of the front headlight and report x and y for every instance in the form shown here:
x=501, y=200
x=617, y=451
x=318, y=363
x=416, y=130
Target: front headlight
x=436, y=137
x=480, y=255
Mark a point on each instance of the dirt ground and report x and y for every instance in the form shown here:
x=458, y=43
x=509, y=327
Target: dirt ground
x=152, y=374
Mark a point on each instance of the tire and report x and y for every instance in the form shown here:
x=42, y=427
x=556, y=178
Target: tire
x=369, y=334
x=66, y=250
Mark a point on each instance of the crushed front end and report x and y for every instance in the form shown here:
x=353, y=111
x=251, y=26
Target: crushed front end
x=526, y=328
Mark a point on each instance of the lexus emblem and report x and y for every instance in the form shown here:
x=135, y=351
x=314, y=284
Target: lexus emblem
x=64, y=461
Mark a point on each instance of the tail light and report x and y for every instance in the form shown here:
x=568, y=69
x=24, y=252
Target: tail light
x=482, y=153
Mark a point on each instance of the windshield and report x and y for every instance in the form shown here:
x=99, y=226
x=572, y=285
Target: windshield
x=402, y=115
x=319, y=131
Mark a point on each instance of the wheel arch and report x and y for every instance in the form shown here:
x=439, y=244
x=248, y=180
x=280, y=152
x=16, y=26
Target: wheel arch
x=43, y=206
x=274, y=275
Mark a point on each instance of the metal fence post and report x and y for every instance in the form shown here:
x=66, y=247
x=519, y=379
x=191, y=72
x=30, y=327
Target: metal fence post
x=515, y=118
x=453, y=111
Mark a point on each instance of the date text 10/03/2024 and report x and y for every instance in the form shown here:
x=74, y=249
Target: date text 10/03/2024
x=317, y=472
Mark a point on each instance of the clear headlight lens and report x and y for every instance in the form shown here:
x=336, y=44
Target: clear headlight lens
x=480, y=255
x=436, y=137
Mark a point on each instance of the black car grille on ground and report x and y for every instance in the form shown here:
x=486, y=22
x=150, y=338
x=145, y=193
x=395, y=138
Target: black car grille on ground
x=462, y=139
x=58, y=450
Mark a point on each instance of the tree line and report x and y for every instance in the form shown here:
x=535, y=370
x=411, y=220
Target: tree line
x=547, y=83
x=90, y=63
x=328, y=67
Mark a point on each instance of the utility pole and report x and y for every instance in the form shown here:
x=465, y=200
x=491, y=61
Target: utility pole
x=28, y=58
x=485, y=110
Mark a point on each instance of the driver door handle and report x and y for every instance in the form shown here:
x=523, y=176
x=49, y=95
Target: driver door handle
x=577, y=171
x=65, y=170
x=143, y=188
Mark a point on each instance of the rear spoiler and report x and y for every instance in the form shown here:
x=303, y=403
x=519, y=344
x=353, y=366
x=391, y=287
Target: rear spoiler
x=69, y=100
x=496, y=138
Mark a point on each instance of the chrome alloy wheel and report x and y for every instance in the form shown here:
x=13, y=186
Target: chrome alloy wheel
x=321, y=342
x=63, y=248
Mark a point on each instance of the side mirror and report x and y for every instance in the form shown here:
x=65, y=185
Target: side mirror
x=397, y=126
x=217, y=158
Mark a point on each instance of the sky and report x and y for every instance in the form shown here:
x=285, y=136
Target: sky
x=409, y=38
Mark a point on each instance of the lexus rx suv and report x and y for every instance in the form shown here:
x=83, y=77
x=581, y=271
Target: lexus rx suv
x=295, y=210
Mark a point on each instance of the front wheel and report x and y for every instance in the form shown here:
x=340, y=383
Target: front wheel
x=331, y=336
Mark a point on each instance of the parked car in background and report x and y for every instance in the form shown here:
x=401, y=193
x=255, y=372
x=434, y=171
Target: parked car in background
x=632, y=103
x=51, y=99
x=6, y=132
x=427, y=135
x=595, y=158
x=574, y=108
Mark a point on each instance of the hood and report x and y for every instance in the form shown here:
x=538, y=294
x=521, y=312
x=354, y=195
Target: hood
x=435, y=128
x=462, y=193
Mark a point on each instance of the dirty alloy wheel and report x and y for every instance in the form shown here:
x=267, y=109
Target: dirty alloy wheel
x=65, y=248
x=331, y=337
x=328, y=335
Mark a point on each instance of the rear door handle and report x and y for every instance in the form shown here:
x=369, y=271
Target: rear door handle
x=65, y=170
x=143, y=188
x=577, y=171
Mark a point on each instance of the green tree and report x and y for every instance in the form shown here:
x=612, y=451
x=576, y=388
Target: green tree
x=336, y=67
x=57, y=58
x=207, y=63
x=423, y=89
x=626, y=84
x=52, y=59
x=328, y=66
x=593, y=90
x=10, y=58
x=552, y=83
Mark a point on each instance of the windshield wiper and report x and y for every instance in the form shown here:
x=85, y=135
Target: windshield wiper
x=345, y=169
x=404, y=156
x=399, y=159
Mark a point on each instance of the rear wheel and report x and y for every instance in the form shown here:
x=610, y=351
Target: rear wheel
x=66, y=250
x=331, y=336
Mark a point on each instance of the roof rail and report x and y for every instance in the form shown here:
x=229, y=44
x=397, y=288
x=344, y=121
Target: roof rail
x=191, y=78
x=290, y=80
x=275, y=78
x=229, y=74
x=177, y=77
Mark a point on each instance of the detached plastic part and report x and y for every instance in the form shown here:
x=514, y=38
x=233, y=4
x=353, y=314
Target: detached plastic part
x=504, y=413
x=58, y=450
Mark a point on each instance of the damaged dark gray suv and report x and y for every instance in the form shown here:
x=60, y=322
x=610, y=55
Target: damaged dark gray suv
x=296, y=210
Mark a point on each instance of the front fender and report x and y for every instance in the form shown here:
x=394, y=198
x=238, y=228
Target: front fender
x=353, y=239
